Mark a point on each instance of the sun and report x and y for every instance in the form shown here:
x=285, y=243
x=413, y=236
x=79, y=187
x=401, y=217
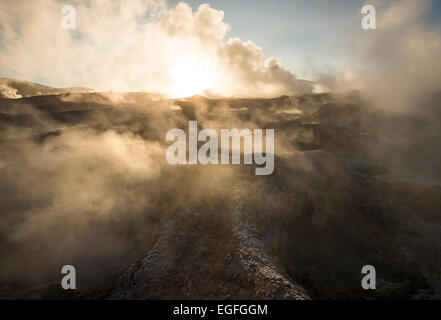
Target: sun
x=191, y=75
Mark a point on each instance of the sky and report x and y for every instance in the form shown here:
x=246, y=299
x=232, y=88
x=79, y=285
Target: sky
x=223, y=47
x=300, y=32
x=295, y=31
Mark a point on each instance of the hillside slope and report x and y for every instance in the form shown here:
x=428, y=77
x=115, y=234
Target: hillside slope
x=15, y=89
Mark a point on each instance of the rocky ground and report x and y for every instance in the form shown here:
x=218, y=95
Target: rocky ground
x=352, y=186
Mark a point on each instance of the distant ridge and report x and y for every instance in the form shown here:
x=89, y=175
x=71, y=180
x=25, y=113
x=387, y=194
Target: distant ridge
x=15, y=89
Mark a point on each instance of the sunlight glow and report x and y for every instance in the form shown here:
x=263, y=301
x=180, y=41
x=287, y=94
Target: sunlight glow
x=191, y=75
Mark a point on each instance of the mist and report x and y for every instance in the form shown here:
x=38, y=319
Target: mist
x=85, y=180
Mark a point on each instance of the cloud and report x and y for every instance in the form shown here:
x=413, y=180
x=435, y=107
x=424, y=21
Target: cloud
x=396, y=64
x=254, y=73
x=205, y=24
x=136, y=45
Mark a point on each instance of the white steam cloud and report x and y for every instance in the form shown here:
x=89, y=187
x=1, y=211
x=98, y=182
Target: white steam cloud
x=399, y=62
x=137, y=45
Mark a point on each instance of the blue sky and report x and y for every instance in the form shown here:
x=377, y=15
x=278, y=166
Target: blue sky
x=435, y=13
x=299, y=32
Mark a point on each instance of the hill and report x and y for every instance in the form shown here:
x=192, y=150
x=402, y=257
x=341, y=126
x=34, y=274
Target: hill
x=14, y=89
